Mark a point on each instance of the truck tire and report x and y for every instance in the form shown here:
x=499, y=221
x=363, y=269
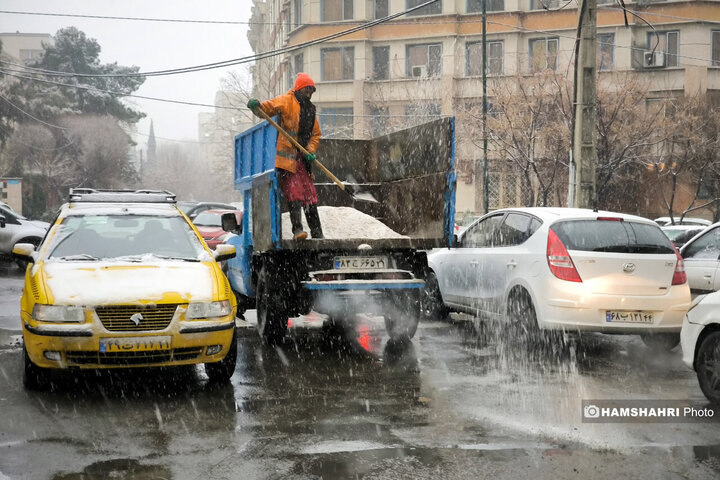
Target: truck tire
x=402, y=314
x=222, y=371
x=272, y=317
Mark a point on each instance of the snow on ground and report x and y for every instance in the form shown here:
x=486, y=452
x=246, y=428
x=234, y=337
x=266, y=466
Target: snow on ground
x=344, y=223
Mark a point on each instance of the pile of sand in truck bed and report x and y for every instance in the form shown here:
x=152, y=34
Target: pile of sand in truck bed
x=343, y=223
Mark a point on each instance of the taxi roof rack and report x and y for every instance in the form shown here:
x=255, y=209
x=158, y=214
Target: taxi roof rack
x=123, y=196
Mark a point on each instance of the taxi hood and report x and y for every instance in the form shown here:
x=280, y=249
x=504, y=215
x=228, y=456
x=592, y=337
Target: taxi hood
x=113, y=282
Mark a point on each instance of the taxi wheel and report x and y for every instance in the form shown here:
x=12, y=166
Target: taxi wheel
x=661, y=342
x=707, y=364
x=34, y=377
x=271, y=315
x=222, y=371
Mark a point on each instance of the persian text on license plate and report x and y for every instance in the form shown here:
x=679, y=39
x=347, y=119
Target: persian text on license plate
x=615, y=316
x=134, y=344
x=342, y=263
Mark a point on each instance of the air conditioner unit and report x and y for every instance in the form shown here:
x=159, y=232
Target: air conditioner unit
x=419, y=71
x=653, y=59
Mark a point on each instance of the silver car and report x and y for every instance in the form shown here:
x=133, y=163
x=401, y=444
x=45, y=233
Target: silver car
x=14, y=228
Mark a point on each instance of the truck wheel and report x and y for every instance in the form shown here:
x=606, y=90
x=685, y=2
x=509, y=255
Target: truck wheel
x=34, y=377
x=402, y=313
x=707, y=364
x=271, y=313
x=222, y=371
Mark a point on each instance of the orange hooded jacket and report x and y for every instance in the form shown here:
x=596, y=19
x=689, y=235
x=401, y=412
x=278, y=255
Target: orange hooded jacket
x=287, y=107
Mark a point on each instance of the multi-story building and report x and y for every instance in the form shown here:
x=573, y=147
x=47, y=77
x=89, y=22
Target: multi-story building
x=24, y=46
x=428, y=62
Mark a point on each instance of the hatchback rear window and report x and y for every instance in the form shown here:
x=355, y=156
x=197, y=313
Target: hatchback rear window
x=612, y=236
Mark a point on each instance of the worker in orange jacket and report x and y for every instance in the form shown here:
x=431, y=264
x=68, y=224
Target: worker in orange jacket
x=297, y=117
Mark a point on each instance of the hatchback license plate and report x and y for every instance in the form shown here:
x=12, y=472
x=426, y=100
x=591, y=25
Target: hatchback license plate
x=346, y=263
x=134, y=344
x=615, y=316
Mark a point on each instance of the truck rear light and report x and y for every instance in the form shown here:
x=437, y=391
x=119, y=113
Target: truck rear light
x=559, y=261
x=679, y=277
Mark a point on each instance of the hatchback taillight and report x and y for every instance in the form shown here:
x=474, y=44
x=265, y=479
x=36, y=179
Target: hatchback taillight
x=679, y=277
x=559, y=261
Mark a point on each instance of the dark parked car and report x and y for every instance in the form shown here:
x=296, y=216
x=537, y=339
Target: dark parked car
x=209, y=224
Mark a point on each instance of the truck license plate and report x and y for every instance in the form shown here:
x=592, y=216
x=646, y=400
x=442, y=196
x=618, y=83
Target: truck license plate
x=134, y=344
x=615, y=316
x=345, y=263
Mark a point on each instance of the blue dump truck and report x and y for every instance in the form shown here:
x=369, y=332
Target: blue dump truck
x=408, y=184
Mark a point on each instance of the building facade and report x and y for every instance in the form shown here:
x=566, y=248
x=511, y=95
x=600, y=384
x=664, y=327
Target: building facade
x=429, y=62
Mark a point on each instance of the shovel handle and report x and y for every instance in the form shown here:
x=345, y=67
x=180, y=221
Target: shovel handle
x=261, y=113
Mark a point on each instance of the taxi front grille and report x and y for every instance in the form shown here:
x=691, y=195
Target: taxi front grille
x=131, y=358
x=118, y=318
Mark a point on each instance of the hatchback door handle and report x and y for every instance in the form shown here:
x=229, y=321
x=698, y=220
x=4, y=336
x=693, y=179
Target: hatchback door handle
x=474, y=262
x=511, y=264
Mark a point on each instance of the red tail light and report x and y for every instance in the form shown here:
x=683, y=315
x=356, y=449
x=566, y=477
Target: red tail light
x=559, y=261
x=679, y=277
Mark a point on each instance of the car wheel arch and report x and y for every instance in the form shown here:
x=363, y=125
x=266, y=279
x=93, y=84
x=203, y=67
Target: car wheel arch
x=710, y=328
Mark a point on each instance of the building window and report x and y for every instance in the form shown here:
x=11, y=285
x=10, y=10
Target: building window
x=606, y=51
x=666, y=42
x=336, y=122
x=715, y=48
x=543, y=54
x=424, y=60
x=380, y=9
x=473, y=58
x=338, y=63
x=381, y=63
x=544, y=4
x=423, y=110
x=334, y=10
x=297, y=12
x=379, y=121
x=432, y=9
x=298, y=64
x=474, y=6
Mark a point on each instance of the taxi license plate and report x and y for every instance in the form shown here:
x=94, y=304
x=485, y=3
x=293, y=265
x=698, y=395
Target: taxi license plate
x=134, y=344
x=344, y=263
x=615, y=316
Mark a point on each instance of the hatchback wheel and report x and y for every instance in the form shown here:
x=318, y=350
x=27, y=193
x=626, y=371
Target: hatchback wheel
x=661, y=342
x=433, y=307
x=521, y=318
x=707, y=364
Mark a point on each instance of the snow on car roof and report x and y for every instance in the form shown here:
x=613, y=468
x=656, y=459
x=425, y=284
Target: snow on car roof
x=556, y=213
x=120, y=209
x=344, y=223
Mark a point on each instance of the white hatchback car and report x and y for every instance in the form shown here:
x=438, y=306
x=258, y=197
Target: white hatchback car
x=564, y=269
x=700, y=339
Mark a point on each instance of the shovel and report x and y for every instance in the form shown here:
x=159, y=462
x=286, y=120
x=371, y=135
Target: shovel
x=350, y=189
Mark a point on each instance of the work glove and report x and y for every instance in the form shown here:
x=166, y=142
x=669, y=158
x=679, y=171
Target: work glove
x=253, y=103
x=310, y=157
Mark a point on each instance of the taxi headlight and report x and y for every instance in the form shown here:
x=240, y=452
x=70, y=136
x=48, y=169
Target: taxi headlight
x=209, y=310
x=58, y=313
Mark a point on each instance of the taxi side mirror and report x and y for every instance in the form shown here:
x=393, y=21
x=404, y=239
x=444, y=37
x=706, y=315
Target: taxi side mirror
x=223, y=252
x=24, y=251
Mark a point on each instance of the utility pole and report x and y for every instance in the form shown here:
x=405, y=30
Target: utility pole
x=584, y=151
x=486, y=196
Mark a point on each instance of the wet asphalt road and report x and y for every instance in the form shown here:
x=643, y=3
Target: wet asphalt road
x=346, y=403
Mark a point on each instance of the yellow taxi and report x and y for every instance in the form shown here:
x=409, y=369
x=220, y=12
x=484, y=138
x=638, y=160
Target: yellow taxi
x=122, y=280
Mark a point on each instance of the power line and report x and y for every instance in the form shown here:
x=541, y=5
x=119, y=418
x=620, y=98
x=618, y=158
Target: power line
x=30, y=115
x=109, y=17
x=232, y=62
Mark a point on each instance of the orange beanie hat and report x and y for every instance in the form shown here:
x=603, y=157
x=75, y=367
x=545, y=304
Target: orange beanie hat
x=303, y=80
